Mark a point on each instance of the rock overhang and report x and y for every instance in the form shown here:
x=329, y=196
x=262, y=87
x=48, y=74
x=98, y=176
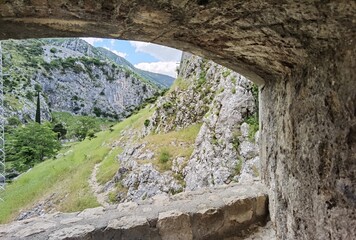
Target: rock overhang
x=264, y=41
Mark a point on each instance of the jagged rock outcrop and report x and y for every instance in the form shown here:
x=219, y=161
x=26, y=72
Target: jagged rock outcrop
x=142, y=181
x=221, y=99
x=224, y=150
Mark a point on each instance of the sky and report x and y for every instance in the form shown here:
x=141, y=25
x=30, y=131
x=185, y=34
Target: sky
x=147, y=56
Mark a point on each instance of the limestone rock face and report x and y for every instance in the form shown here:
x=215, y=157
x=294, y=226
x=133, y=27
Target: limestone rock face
x=74, y=76
x=225, y=149
x=142, y=181
x=222, y=100
x=308, y=143
x=190, y=98
x=220, y=149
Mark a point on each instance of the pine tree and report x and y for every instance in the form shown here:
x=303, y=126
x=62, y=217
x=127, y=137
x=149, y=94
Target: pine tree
x=38, y=109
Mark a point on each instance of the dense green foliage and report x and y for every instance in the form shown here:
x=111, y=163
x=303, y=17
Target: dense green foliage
x=31, y=144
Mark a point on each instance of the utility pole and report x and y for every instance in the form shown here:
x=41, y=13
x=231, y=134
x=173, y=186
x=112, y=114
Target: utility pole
x=2, y=125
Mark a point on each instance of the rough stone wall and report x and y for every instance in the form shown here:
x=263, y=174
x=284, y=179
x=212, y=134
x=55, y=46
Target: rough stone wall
x=309, y=147
x=226, y=212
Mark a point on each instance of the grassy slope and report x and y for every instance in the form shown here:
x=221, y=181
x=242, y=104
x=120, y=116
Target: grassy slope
x=67, y=175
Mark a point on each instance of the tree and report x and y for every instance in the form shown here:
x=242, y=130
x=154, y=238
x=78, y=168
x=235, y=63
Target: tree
x=31, y=144
x=84, y=126
x=60, y=130
x=38, y=109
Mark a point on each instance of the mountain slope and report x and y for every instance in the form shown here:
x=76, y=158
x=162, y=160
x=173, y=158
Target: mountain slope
x=161, y=80
x=201, y=133
x=74, y=77
x=79, y=45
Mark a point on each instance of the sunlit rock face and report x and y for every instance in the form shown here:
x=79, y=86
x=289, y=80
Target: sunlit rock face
x=304, y=52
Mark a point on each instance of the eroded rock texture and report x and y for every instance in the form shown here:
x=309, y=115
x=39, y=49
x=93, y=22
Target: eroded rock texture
x=308, y=144
x=303, y=50
x=259, y=39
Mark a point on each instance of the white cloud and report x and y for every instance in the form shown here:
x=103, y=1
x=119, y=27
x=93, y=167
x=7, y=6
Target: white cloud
x=121, y=54
x=168, y=68
x=162, y=53
x=91, y=41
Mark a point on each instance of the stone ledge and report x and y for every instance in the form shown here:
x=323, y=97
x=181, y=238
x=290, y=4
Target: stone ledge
x=209, y=213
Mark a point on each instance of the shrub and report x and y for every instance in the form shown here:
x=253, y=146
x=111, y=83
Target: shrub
x=254, y=125
x=53, y=50
x=60, y=130
x=164, y=156
x=91, y=134
x=97, y=111
x=13, y=121
x=167, y=105
x=147, y=123
x=226, y=73
x=84, y=126
x=29, y=95
x=235, y=139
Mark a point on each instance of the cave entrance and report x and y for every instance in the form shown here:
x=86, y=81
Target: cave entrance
x=303, y=53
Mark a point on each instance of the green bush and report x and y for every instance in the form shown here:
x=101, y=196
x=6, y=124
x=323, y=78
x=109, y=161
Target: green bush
x=53, y=50
x=164, y=156
x=97, y=111
x=167, y=105
x=226, y=73
x=253, y=125
x=13, y=121
x=91, y=134
x=147, y=123
x=60, y=130
x=29, y=95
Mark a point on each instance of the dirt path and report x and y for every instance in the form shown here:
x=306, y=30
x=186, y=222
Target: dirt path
x=98, y=189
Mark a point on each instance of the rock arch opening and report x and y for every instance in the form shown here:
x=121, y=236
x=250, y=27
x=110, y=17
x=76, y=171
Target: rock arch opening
x=304, y=52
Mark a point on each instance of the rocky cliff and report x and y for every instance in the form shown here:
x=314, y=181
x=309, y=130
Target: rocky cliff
x=219, y=109
x=201, y=133
x=73, y=76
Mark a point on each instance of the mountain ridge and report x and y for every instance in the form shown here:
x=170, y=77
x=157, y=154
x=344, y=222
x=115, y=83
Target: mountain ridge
x=62, y=67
